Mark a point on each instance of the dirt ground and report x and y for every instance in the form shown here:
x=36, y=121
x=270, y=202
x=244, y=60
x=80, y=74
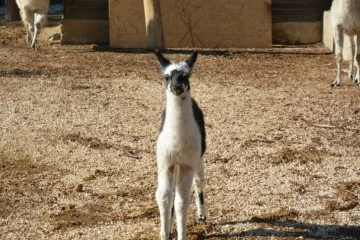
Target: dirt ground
x=78, y=127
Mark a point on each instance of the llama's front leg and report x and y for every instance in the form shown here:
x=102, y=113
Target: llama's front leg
x=198, y=183
x=28, y=19
x=357, y=78
x=164, y=198
x=352, y=52
x=31, y=34
x=339, y=42
x=182, y=199
x=40, y=20
x=37, y=26
x=34, y=43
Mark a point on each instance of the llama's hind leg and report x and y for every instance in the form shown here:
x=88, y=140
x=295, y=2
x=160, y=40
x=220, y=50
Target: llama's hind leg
x=27, y=17
x=339, y=42
x=182, y=199
x=357, y=77
x=164, y=198
x=351, y=63
x=198, y=183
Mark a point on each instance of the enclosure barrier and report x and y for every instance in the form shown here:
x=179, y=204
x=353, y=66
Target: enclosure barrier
x=194, y=23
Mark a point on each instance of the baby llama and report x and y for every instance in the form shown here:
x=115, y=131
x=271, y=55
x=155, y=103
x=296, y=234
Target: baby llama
x=180, y=149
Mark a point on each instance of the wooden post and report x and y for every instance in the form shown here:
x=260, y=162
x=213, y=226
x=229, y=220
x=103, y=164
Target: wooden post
x=11, y=11
x=154, y=31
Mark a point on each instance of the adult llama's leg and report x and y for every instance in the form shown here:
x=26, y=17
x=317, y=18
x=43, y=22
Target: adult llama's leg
x=40, y=20
x=357, y=77
x=27, y=17
x=339, y=43
x=351, y=63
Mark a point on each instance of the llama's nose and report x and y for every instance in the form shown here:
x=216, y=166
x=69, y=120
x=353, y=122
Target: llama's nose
x=178, y=88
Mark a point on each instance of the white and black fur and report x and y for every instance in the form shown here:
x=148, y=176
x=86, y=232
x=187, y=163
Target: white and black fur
x=180, y=149
x=345, y=18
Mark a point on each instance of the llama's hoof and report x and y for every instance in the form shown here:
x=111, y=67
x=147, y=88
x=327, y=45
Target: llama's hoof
x=333, y=85
x=202, y=218
x=34, y=46
x=352, y=77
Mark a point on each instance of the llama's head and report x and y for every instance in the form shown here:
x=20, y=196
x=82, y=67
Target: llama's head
x=177, y=74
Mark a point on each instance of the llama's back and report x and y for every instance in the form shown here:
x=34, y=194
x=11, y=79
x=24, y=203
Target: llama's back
x=346, y=13
x=33, y=5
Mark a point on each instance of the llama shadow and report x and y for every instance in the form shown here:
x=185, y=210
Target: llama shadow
x=289, y=229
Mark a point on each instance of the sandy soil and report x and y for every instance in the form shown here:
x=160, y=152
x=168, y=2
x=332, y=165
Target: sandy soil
x=78, y=126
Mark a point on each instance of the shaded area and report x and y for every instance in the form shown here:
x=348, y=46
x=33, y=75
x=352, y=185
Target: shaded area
x=290, y=229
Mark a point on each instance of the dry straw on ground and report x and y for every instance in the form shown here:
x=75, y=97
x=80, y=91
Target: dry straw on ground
x=79, y=124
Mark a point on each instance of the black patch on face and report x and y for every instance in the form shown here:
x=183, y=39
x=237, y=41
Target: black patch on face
x=201, y=198
x=178, y=82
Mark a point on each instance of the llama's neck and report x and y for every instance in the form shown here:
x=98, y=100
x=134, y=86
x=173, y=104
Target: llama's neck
x=178, y=109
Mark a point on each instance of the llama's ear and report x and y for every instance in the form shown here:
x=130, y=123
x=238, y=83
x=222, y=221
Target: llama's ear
x=162, y=60
x=192, y=59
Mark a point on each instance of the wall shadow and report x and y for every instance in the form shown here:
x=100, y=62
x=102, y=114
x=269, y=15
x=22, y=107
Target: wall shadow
x=314, y=49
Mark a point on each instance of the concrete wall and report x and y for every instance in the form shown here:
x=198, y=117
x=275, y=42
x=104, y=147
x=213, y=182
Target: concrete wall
x=328, y=33
x=217, y=24
x=297, y=32
x=85, y=22
x=298, y=21
x=127, y=24
x=195, y=23
x=82, y=31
